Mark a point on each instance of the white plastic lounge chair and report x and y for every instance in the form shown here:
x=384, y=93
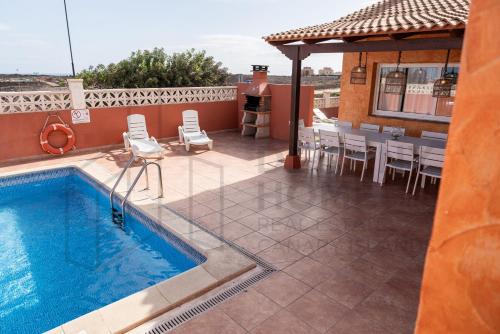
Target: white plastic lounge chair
x=137, y=138
x=190, y=133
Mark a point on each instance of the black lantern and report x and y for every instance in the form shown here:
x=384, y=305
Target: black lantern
x=443, y=85
x=395, y=81
x=358, y=73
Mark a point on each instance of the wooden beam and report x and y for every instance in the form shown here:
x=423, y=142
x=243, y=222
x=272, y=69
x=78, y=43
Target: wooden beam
x=403, y=35
x=314, y=41
x=353, y=38
x=305, y=50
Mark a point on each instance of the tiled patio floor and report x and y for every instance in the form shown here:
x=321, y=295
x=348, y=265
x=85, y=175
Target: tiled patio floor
x=350, y=254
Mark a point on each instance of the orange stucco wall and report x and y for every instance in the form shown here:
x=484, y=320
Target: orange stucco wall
x=20, y=132
x=356, y=101
x=280, y=107
x=461, y=284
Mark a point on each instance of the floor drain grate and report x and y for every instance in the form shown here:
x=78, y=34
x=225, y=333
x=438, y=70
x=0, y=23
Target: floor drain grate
x=206, y=305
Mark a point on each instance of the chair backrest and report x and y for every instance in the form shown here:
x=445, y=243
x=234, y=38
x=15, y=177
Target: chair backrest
x=329, y=138
x=391, y=129
x=301, y=123
x=137, y=127
x=369, y=127
x=190, y=121
x=434, y=135
x=344, y=124
x=431, y=156
x=355, y=143
x=400, y=150
x=306, y=135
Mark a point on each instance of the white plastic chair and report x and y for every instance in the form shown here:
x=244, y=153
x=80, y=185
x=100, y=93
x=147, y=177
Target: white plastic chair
x=190, y=133
x=434, y=135
x=355, y=149
x=307, y=142
x=430, y=163
x=392, y=129
x=330, y=145
x=400, y=156
x=344, y=124
x=369, y=127
x=137, y=138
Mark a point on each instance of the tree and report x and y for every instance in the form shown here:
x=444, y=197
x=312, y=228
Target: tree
x=152, y=69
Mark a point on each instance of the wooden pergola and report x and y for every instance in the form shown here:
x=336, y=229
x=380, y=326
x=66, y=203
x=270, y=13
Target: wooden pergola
x=357, y=33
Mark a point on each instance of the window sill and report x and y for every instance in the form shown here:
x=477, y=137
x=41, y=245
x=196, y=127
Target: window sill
x=443, y=120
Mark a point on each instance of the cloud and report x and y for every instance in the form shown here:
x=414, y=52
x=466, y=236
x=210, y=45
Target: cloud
x=5, y=27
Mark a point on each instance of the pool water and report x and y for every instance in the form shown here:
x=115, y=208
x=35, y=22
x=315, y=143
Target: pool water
x=61, y=256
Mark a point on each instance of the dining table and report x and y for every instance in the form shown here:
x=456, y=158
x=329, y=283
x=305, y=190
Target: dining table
x=377, y=140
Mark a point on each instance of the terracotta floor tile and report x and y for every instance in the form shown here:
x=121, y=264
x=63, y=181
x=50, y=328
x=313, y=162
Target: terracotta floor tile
x=298, y=222
x=257, y=204
x=219, y=203
x=213, y=220
x=283, y=323
x=354, y=323
x=277, y=212
x=232, y=231
x=344, y=290
x=282, y=288
x=280, y=256
x=334, y=204
x=317, y=213
x=317, y=310
x=303, y=243
x=255, y=221
x=367, y=273
x=278, y=231
x=249, y=308
x=295, y=205
x=236, y=212
x=212, y=322
x=309, y=271
x=255, y=242
x=324, y=231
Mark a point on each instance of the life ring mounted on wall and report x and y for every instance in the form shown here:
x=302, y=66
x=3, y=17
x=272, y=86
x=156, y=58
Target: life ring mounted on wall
x=62, y=127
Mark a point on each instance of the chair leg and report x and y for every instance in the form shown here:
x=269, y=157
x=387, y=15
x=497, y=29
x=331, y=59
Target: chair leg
x=342, y=168
x=363, y=171
x=393, y=173
x=423, y=182
x=314, y=158
x=337, y=163
x=409, y=180
x=383, y=175
x=416, y=182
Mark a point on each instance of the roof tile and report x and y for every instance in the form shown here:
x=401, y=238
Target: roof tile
x=384, y=17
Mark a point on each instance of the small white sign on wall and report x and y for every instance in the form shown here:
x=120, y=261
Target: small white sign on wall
x=79, y=116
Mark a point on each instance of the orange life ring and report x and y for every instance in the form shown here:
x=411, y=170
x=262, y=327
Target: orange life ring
x=70, y=135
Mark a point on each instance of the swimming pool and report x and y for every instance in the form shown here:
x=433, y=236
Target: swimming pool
x=62, y=256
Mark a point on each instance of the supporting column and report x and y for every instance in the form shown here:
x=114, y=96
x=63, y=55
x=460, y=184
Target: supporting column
x=292, y=160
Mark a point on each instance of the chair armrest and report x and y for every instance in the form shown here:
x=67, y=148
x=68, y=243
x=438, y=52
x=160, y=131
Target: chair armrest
x=203, y=131
x=153, y=139
x=126, y=140
x=181, y=134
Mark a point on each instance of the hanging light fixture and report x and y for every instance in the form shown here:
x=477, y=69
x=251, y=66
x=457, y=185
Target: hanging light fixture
x=442, y=86
x=358, y=73
x=395, y=81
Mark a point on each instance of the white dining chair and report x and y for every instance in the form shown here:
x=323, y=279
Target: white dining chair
x=430, y=163
x=356, y=149
x=307, y=142
x=392, y=129
x=330, y=146
x=369, y=127
x=344, y=124
x=434, y=135
x=399, y=156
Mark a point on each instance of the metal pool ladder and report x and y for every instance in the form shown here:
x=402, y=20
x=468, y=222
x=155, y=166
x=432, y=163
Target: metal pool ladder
x=120, y=217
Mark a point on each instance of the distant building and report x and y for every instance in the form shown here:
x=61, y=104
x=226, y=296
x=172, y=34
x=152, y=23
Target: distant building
x=307, y=71
x=326, y=71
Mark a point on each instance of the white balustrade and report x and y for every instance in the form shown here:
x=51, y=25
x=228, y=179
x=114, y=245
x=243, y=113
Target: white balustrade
x=326, y=102
x=13, y=102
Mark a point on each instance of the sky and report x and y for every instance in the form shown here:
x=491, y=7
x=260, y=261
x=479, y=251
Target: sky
x=33, y=35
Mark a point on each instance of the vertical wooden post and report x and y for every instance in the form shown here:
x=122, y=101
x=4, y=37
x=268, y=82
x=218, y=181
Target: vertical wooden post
x=292, y=160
